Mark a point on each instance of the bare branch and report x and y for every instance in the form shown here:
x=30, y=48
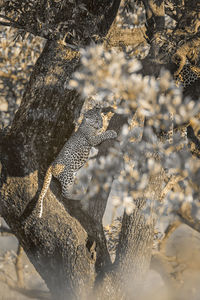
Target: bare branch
x=19, y=267
x=5, y=230
x=170, y=229
x=187, y=214
x=11, y=24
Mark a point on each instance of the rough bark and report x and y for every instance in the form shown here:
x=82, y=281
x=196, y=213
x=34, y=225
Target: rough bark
x=76, y=22
x=155, y=17
x=125, y=279
x=57, y=244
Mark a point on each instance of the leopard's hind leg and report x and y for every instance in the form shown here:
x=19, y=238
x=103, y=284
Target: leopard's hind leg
x=66, y=180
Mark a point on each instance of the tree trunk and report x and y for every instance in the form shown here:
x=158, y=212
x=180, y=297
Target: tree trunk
x=61, y=245
x=57, y=244
x=125, y=279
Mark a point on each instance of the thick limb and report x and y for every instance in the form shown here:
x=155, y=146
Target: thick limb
x=155, y=17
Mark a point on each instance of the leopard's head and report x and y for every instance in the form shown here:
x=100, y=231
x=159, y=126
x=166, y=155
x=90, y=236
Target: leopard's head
x=93, y=118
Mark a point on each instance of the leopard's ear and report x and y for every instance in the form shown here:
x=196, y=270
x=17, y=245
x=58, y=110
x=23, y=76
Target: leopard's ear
x=90, y=113
x=98, y=107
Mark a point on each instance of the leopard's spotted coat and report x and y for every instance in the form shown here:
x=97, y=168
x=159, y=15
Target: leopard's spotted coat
x=75, y=153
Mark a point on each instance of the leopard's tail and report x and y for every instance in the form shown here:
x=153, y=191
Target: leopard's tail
x=47, y=180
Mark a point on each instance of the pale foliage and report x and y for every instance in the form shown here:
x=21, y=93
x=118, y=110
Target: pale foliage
x=113, y=79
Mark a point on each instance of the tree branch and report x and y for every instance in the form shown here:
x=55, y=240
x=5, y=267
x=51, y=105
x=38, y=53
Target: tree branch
x=11, y=24
x=54, y=22
x=19, y=267
x=97, y=204
x=187, y=214
x=5, y=230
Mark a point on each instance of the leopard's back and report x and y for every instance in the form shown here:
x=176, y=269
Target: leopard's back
x=74, y=153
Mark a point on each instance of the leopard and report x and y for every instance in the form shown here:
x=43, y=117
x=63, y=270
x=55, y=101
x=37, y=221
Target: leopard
x=188, y=75
x=75, y=154
x=189, y=50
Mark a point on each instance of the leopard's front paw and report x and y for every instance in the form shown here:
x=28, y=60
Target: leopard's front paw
x=111, y=134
